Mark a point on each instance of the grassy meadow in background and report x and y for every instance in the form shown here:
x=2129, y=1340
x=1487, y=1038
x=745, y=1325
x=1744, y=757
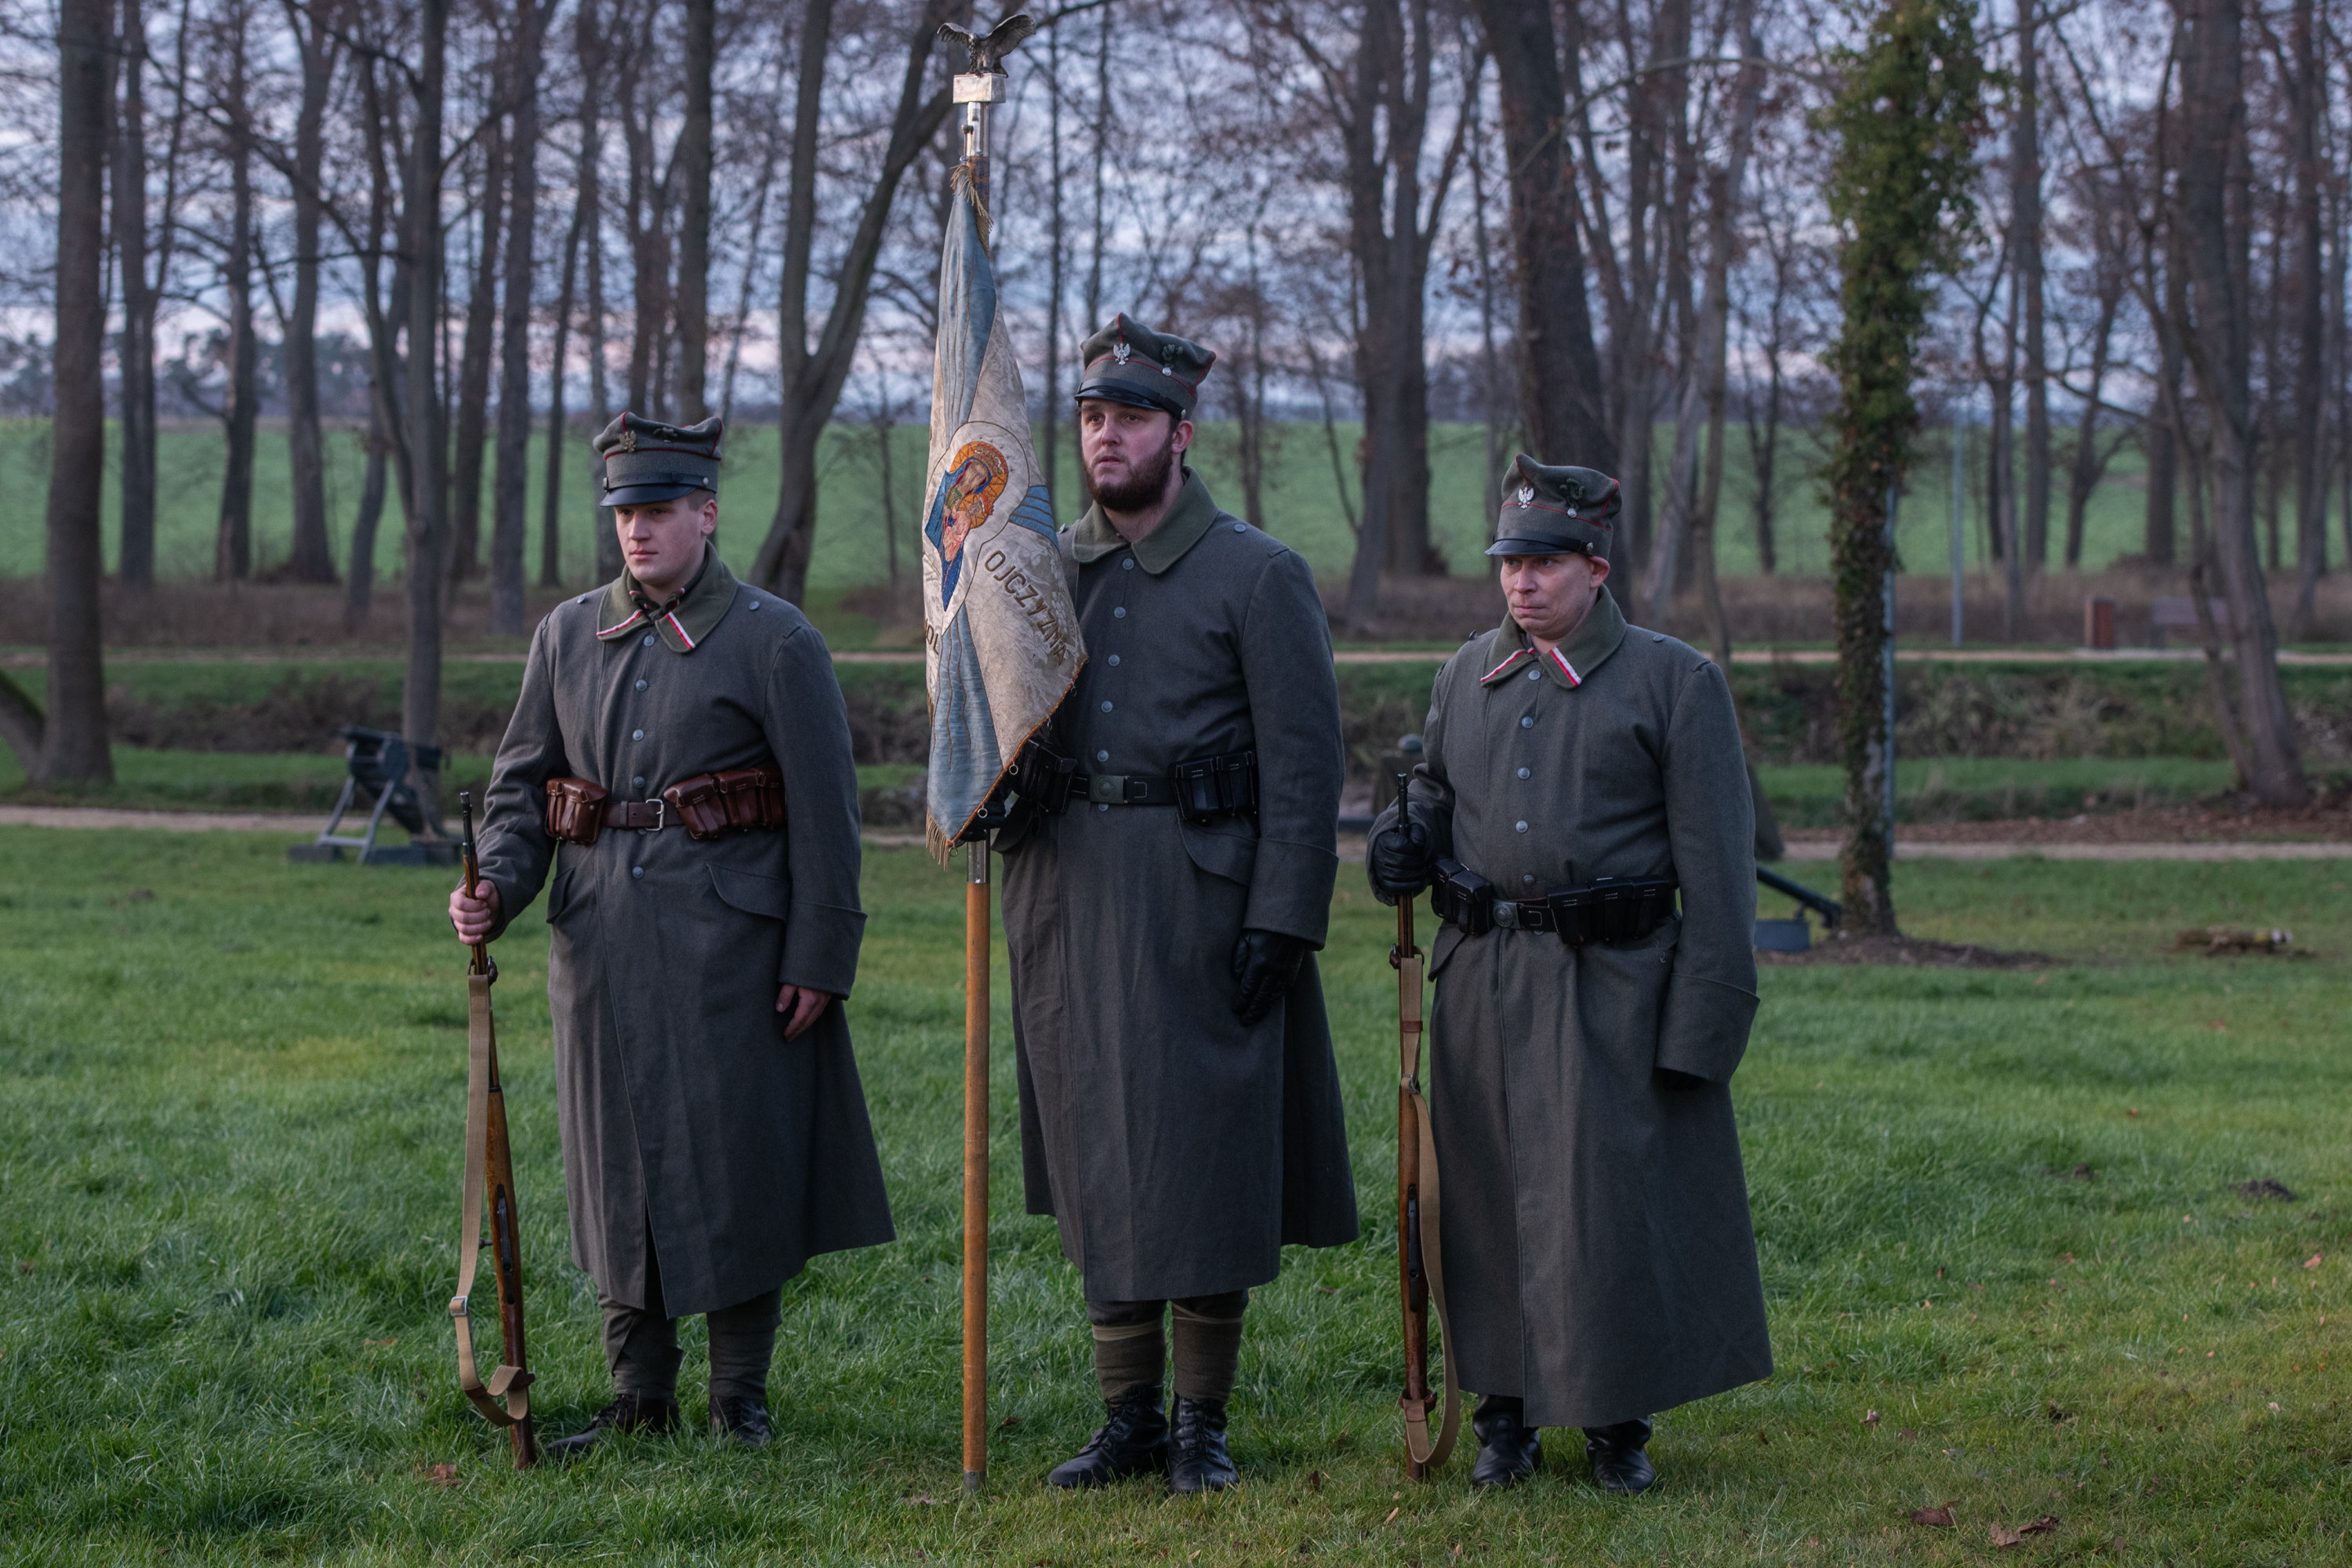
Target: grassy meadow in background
x=2008, y=1268
x=852, y=544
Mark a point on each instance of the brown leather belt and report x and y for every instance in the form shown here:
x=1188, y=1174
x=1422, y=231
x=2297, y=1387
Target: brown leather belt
x=707, y=806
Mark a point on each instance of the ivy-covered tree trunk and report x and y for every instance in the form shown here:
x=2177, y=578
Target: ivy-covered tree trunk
x=1905, y=120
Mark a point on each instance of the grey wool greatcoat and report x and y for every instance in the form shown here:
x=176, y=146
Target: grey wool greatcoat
x=1599, y=1258
x=685, y=1112
x=1178, y=1150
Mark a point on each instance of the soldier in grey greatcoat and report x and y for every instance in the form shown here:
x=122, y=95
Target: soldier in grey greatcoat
x=680, y=755
x=1600, y=1264
x=1180, y=1105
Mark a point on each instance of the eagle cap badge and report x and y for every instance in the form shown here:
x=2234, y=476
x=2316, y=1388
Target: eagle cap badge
x=1119, y=351
x=1526, y=495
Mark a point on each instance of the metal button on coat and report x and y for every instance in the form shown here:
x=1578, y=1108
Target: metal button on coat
x=1527, y=723
x=1241, y=528
x=1114, y=658
x=1523, y=773
x=1106, y=707
x=1101, y=808
x=1536, y=674
x=636, y=871
x=1522, y=827
x=1528, y=880
x=641, y=686
x=636, y=734
x=1128, y=565
x=1102, y=756
x=649, y=639
x=1120, y=614
x=638, y=783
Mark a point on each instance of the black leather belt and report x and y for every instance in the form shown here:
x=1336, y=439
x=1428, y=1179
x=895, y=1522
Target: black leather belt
x=1606, y=909
x=1121, y=789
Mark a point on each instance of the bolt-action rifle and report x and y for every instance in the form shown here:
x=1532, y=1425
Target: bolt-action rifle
x=1420, y=1268
x=489, y=1182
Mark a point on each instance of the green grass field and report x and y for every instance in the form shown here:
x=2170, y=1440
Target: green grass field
x=853, y=545
x=230, y=1099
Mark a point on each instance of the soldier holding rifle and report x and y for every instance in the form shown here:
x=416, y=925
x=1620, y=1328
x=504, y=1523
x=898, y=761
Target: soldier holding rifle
x=680, y=757
x=1599, y=1262
x=1164, y=891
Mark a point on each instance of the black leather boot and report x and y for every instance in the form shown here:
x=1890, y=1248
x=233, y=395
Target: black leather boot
x=627, y=1413
x=1508, y=1449
x=742, y=1418
x=1616, y=1453
x=1199, y=1462
x=1133, y=1439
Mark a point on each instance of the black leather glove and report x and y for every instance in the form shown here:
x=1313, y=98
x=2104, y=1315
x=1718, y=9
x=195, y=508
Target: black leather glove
x=1266, y=962
x=1401, y=860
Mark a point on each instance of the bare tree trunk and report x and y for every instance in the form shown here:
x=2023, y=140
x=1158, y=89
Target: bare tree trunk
x=2308, y=100
x=420, y=693
x=589, y=43
x=233, y=540
x=73, y=731
x=472, y=416
x=550, y=529
x=2212, y=213
x=811, y=380
x=1559, y=400
x=2088, y=463
x=314, y=560
x=1490, y=490
x=693, y=213
x=509, y=520
x=647, y=227
x=2025, y=220
x=2000, y=483
x=135, y=348
x=387, y=448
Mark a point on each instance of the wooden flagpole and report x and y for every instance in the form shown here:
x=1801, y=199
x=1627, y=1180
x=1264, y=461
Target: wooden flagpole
x=976, y=935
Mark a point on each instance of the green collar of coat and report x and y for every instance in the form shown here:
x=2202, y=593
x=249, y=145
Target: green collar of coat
x=1092, y=537
x=685, y=620
x=1569, y=665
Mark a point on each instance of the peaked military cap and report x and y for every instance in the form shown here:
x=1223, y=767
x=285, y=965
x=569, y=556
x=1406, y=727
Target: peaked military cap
x=1555, y=511
x=643, y=460
x=1129, y=363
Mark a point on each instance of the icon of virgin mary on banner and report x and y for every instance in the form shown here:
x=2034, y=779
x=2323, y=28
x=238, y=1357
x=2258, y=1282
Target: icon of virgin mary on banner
x=1001, y=635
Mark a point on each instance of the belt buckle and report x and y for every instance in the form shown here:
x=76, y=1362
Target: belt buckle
x=661, y=815
x=1506, y=915
x=1106, y=789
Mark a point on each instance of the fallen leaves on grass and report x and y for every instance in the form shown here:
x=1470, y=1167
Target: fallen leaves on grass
x=1314, y=1480
x=1008, y=1423
x=2046, y=1525
x=1935, y=1518
x=1870, y=1418
x=2215, y=940
x=2266, y=1187
x=439, y=1475
x=1391, y=1517
x=2313, y=1261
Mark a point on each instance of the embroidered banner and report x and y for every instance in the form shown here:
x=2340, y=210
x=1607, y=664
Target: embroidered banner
x=1001, y=636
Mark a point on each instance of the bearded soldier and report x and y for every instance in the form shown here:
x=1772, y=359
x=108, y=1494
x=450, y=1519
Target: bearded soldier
x=1165, y=889
x=680, y=755
x=1600, y=1265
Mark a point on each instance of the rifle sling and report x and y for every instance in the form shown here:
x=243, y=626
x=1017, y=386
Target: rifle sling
x=509, y=1383
x=1411, y=1029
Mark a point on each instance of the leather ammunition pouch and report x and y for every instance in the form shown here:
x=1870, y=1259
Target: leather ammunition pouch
x=575, y=810
x=1223, y=785
x=1606, y=909
x=707, y=806
x=1463, y=897
x=740, y=800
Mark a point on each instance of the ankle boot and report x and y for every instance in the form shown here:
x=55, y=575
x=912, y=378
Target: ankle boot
x=1131, y=1440
x=1616, y=1453
x=627, y=1413
x=1508, y=1449
x=1199, y=1462
x=741, y=1418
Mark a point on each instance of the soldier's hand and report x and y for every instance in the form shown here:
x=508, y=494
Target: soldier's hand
x=802, y=1005
x=1401, y=860
x=1265, y=963
x=474, y=918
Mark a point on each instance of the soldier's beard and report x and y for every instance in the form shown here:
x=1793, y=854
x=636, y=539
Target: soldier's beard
x=1145, y=483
